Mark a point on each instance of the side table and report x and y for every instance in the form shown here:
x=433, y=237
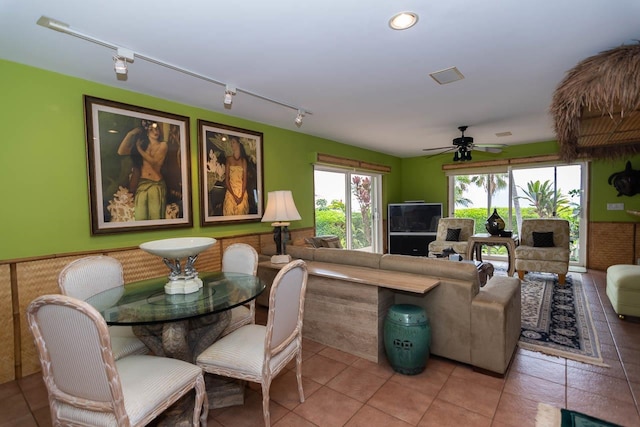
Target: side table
x=478, y=240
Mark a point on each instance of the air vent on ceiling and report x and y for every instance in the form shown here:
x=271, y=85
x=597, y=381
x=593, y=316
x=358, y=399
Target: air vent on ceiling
x=507, y=133
x=448, y=75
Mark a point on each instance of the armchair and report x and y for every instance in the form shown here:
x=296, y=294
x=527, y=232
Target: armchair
x=544, y=246
x=447, y=237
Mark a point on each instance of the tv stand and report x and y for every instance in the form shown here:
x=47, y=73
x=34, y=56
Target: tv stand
x=416, y=244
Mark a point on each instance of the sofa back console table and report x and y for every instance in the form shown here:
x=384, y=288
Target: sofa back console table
x=345, y=305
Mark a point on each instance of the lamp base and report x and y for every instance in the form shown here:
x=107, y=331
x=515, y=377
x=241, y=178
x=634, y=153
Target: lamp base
x=280, y=259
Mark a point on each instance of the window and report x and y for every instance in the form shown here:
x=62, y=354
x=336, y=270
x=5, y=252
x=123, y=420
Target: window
x=348, y=205
x=523, y=191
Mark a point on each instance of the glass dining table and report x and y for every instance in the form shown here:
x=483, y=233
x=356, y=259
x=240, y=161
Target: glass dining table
x=180, y=326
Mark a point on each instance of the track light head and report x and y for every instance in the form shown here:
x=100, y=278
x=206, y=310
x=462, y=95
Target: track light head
x=229, y=93
x=120, y=60
x=298, y=119
x=119, y=65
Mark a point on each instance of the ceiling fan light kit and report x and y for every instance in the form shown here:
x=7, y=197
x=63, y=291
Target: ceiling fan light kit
x=463, y=146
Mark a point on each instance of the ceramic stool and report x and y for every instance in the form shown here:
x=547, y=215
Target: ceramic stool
x=407, y=337
x=623, y=289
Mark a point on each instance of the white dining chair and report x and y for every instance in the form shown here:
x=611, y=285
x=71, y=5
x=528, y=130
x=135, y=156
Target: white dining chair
x=87, y=386
x=90, y=275
x=240, y=258
x=257, y=353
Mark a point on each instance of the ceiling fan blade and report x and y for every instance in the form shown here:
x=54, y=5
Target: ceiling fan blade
x=494, y=150
x=437, y=148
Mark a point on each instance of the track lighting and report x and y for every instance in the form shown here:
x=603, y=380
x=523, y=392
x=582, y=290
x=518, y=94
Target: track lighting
x=125, y=55
x=120, y=60
x=229, y=93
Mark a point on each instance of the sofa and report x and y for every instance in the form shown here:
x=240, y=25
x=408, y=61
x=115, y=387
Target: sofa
x=347, y=300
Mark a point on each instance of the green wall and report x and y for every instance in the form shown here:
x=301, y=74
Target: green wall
x=422, y=179
x=43, y=172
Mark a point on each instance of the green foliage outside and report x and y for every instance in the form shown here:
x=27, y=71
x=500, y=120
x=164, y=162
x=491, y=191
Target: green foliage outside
x=541, y=196
x=331, y=217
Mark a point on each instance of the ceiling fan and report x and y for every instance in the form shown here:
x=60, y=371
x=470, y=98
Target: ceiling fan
x=463, y=146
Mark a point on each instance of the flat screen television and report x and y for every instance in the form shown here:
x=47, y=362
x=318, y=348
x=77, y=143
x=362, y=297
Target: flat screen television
x=414, y=217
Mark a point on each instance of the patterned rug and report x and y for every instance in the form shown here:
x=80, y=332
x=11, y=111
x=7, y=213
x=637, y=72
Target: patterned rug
x=556, y=319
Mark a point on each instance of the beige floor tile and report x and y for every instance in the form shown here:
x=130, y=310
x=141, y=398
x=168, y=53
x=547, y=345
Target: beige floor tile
x=12, y=408
x=284, y=389
x=356, y=383
x=382, y=369
x=338, y=355
x=321, y=369
x=516, y=411
x=599, y=406
x=474, y=397
x=293, y=420
x=249, y=414
x=444, y=414
x=467, y=373
x=368, y=416
x=536, y=389
x=327, y=407
x=599, y=384
x=401, y=402
x=540, y=368
x=429, y=381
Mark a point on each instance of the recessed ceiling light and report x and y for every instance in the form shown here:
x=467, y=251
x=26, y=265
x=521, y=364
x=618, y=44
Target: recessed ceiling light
x=403, y=20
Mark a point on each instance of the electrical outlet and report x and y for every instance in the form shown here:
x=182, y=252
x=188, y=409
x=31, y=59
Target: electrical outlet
x=615, y=206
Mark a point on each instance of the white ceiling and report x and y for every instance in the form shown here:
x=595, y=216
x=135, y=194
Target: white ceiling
x=365, y=84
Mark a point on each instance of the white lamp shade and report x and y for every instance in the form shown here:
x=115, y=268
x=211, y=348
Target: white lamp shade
x=280, y=207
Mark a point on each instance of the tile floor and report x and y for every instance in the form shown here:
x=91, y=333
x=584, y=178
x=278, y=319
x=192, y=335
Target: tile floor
x=344, y=390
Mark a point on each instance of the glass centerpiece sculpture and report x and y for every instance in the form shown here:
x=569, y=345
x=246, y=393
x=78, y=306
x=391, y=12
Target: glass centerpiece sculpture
x=182, y=280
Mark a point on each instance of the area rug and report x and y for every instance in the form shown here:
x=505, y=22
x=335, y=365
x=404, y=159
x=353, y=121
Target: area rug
x=556, y=319
x=549, y=416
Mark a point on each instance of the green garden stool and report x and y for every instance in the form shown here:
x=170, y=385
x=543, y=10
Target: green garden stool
x=407, y=338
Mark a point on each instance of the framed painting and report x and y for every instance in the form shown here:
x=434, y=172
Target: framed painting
x=138, y=167
x=230, y=174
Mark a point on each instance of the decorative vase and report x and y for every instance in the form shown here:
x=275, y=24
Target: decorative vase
x=494, y=224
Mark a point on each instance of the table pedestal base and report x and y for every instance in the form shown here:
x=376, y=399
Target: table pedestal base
x=223, y=392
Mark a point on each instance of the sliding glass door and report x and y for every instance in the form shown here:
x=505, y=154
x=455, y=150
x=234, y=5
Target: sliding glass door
x=348, y=205
x=528, y=191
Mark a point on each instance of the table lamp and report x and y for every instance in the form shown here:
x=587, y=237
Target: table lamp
x=280, y=210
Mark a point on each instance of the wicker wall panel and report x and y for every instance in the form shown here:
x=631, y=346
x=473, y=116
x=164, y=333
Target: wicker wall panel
x=7, y=358
x=139, y=265
x=605, y=250
x=35, y=278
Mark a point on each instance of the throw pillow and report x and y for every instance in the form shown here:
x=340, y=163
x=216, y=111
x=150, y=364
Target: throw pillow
x=543, y=239
x=331, y=242
x=311, y=242
x=453, y=234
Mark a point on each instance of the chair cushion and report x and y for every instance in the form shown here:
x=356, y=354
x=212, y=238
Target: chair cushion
x=542, y=254
x=147, y=382
x=453, y=234
x=242, y=351
x=543, y=239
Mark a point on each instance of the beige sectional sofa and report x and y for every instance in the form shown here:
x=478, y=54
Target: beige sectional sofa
x=347, y=300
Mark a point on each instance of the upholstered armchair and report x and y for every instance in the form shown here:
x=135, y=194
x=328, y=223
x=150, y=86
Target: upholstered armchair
x=452, y=233
x=544, y=247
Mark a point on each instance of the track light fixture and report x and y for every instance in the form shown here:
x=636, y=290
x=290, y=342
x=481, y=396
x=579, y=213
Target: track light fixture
x=125, y=55
x=120, y=60
x=229, y=93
